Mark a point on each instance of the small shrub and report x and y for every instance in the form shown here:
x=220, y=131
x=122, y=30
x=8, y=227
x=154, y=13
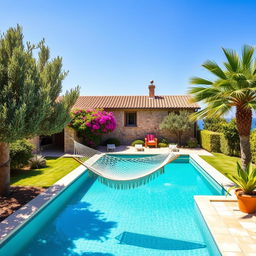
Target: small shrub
x=138, y=142
x=162, y=145
x=20, y=153
x=210, y=140
x=37, y=161
x=163, y=140
x=192, y=143
x=112, y=141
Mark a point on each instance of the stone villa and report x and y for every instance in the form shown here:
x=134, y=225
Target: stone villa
x=136, y=116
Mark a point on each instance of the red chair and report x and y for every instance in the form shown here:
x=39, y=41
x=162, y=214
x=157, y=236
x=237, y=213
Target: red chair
x=150, y=140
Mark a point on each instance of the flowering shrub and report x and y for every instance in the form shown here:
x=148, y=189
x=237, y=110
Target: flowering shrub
x=91, y=124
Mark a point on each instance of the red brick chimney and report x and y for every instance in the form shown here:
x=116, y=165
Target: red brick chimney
x=151, y=88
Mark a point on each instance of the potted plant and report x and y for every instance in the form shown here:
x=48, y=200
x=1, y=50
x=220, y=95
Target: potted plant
x=245, y=184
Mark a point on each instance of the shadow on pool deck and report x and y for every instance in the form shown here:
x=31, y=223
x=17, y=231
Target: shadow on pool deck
x=156, y=242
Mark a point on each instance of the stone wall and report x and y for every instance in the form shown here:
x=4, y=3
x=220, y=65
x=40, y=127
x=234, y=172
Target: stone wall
x=36, y=143
x=147, y=122
x=69, y=135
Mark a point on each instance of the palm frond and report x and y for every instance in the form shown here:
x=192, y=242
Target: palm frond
x=247, y=55
x=214, y=68
x=233, y=59
x=203, y=93
x=199, y=80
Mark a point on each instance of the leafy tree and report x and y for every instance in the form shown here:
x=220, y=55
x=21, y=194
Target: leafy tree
x=234, y=87
x=177, y=124
x=214, y=124
x=29, y=90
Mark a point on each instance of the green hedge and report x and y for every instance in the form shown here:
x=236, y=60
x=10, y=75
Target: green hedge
x=224, y=145
x=210, y=140
x=217, y=142
x=253, y=145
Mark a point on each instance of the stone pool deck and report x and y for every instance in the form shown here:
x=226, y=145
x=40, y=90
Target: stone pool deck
x=133, y=150
x=234, y=232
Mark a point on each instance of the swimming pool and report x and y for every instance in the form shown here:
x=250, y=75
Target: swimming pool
x=91, y=219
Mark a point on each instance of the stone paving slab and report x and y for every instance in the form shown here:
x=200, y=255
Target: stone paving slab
x=233, y=231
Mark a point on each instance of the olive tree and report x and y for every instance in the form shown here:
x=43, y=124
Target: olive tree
x=177, y=123
x=30, y=85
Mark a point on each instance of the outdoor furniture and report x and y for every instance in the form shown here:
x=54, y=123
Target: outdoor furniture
x=139, y=147
x=173, y=148
x=150, y=140
x=111, y=147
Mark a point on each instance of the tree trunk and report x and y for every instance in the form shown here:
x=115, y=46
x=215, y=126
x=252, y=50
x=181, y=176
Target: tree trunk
x=4, y=168
x=244, y=122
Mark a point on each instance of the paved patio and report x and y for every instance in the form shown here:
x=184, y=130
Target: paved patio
x=233, y=231
x=182, y=151
x=132, y=150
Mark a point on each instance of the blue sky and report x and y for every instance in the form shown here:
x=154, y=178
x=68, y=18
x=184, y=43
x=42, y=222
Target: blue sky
x=115, y=47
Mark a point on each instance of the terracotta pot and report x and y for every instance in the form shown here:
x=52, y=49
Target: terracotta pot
x=246, y=203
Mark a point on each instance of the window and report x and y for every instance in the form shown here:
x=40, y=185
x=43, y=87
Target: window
x=130, y=119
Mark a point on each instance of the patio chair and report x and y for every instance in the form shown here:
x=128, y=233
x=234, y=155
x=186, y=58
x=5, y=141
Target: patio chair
x=139, y=147
x=111, y=147
x=173, y=148
x=150, y=140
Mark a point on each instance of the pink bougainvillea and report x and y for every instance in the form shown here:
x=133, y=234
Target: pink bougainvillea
x=91, y=124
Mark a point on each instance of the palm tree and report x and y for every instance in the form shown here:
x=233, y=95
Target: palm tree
x=233, y=87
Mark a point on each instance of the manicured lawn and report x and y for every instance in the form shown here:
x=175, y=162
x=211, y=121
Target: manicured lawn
x=223, y=163
x=45, y=177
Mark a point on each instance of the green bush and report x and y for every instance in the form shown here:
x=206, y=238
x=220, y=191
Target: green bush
x=224, y=145
x=162, y=145
x=210, y=140
x=20, y=153
x=112, y=141
x=162, y=140
x=232, y=140
x=214, y=124
x=192, y=143
x=137, y=142
x=253, y=145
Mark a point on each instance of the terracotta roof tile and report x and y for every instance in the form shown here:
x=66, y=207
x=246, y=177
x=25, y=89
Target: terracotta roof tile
x=135, y=102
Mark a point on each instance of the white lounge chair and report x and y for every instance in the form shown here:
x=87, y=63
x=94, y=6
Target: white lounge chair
x=111, y=147
x=173, y=148
x=139, y=147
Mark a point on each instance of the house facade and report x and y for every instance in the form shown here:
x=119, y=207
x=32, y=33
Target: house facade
x=136, y=116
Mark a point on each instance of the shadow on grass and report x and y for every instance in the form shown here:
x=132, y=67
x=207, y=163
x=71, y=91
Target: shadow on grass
x=19, y=174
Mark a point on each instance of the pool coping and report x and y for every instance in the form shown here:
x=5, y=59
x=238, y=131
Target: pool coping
x=12, y=223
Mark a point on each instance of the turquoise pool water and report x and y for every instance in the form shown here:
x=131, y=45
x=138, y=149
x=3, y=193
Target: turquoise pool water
x=90, y=219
